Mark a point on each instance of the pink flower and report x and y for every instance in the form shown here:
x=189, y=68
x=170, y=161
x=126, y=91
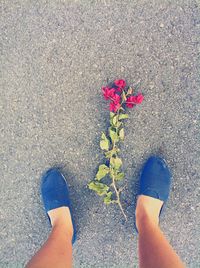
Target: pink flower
x=118, y=89
x=120, y=83
x=114, y=107
x=133, y=100
x=129, y=102
x=139, y=98
x=116, y=98
x=115, y=103
x=108, y=92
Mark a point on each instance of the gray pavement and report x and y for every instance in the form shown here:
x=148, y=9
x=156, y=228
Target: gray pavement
x=56, y=55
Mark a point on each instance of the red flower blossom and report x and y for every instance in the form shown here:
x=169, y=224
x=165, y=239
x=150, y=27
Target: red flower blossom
x=108, y=92
x=120, y=83
x=133, y=100
x=129, y=102
x=114, y=107
x=116, y=98
x=139, y=98
x=118, y=89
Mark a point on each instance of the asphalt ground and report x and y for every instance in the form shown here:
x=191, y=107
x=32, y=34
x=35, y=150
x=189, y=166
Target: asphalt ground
x=56, y=56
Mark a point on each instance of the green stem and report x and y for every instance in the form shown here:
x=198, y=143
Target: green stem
x=117, y=192
x=118, y=197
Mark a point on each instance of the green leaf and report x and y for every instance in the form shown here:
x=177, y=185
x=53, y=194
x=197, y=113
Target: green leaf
x=103, y=167
x=103, y=136
x=130, y=91
x=121, y=134
x=123, y=96
x=114, y=120
x=123, y=116
x=118, y=124
x=107, y=199
x=112, y=115
x=102, y=172
x=104, y=143
x=116, y=162
x=112, y=152
x=113, y=135
x=98, y=187
x=119, y=176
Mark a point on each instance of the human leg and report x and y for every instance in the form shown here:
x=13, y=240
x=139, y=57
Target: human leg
x=154, y=249
x=57, y=250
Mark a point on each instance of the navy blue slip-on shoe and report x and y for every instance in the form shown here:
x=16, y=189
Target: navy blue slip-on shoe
x=155, y=180
x=55, y=193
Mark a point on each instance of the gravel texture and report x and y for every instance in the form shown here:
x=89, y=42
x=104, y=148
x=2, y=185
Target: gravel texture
x=56, y=56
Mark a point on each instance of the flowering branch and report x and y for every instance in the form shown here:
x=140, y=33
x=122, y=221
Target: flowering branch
x=120, y=97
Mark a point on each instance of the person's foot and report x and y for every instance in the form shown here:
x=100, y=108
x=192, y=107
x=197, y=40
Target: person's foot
x=56, y=201
x=61, y=218
x=147, y=209
x=154, y=191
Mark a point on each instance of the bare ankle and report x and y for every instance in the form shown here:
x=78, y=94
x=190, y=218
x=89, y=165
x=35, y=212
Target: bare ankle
x=147, y=211
x=61, y=219
x=64, y=231
x=143, y=220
